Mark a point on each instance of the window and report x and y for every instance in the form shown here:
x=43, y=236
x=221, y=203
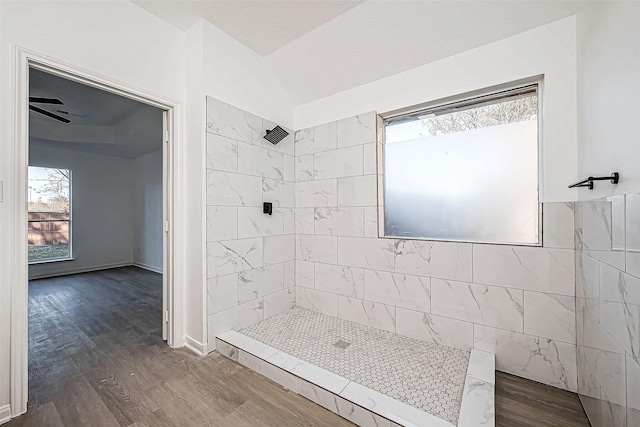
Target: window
x=465, y=171
x=49, y=231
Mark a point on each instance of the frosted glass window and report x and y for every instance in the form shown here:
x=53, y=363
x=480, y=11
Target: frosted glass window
x=465, y=172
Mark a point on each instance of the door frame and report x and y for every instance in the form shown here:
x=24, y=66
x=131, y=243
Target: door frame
x=172, y=288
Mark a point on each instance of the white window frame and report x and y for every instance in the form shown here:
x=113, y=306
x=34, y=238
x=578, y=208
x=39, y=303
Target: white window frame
x=70, y=221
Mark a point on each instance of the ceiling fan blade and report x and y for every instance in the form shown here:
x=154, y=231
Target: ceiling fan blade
x=45, y=100
x=48, y=114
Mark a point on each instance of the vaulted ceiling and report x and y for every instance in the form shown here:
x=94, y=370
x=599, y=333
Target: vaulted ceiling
x=263, y=26
x=319, y=48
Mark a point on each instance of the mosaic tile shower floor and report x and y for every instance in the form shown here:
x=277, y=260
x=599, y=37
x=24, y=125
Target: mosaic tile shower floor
x=426, y=376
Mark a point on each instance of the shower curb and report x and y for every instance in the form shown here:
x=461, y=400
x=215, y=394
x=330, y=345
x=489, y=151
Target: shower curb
x=354, y=402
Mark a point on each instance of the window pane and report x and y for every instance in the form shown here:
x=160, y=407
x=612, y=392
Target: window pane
x=470, y=175
x=49, y=214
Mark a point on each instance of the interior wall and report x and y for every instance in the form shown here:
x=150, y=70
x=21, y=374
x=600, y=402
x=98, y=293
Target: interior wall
x=147, y=201
x=235, y=74
x=514, y=301
x=608, y=92
x=607, y=228
x=250, y=255
x=101, y=209
x=608, y=309
x=549, y=50
x=221, y=67
x=118, y=40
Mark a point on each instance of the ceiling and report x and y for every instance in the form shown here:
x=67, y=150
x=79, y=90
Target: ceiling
x=319, y=48
x=263, y=25
x=101, y=122
x=378, y=39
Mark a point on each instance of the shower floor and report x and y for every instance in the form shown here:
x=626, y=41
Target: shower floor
x=422, y=376
x=426, y=376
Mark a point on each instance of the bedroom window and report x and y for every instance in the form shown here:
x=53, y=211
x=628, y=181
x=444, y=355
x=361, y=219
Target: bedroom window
x=49, y=199
x=465, y=171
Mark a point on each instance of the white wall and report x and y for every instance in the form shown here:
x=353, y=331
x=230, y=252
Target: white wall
x=219, y=66
x=118, y=40
x=235, y=74
x=549, y=50
x=608, y=93
x=607, y=229
x=102, y=209
x=147, y=212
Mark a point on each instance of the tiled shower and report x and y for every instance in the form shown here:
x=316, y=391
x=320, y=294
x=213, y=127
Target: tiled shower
x=607, y=308
x=320, y=251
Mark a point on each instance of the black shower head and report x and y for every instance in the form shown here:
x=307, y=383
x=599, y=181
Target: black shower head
x=276, y=135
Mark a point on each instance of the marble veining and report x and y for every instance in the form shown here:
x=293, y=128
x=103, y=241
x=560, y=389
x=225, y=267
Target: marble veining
x=549, y=361
x=400, y=290
x=233, y=256
x=478, y=409
x=231, y=122
x=488, y=305
x=347, y=281
x=445, y=260
x=550, y=316
x=356, y=130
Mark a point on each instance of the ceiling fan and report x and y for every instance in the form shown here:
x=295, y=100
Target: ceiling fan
x=55, y=101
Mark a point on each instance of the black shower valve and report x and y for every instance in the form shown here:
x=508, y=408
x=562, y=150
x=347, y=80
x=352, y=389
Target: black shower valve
x=267, y=208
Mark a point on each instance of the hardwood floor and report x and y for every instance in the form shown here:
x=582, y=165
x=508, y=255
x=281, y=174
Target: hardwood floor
x=524, y=403
x=96, y=358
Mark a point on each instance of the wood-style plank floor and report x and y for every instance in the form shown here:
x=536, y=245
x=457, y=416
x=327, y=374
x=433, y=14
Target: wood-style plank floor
x=524, y=403
x=96, y=358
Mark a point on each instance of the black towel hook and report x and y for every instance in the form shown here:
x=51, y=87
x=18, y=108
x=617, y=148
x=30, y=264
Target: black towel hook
x=588, y=182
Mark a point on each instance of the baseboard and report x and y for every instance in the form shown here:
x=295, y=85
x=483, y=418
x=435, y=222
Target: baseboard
x=5, y=413
x=147, y=267
x=196, y=346
x=80, y=270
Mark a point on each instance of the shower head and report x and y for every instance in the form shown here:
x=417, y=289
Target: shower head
x=276, y=135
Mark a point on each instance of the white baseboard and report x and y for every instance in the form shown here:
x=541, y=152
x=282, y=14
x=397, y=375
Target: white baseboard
x=5, y=414
x=197, y=347
x=79, y=270
x=147, y=267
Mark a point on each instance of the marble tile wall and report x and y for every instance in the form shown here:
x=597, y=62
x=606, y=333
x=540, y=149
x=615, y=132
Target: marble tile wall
x=517, y=302
x=607, y=233
x=250, y=255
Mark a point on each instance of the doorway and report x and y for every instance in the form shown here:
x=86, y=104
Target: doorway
x=65, y=232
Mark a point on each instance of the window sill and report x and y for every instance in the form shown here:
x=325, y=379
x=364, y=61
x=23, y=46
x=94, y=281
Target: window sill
x=49, y=261
x=470, y=242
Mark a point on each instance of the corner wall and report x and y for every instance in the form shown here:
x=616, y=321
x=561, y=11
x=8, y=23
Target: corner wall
x=608, y=220
x=608, y=309
x=250, y=267
x=147, y=200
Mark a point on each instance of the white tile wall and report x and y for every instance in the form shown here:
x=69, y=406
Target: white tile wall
x=485, y=305
x=435, y=291
x=550, y=316
x=250, y=255
x=608, y=309
x=550, y=362
x=325, y=188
